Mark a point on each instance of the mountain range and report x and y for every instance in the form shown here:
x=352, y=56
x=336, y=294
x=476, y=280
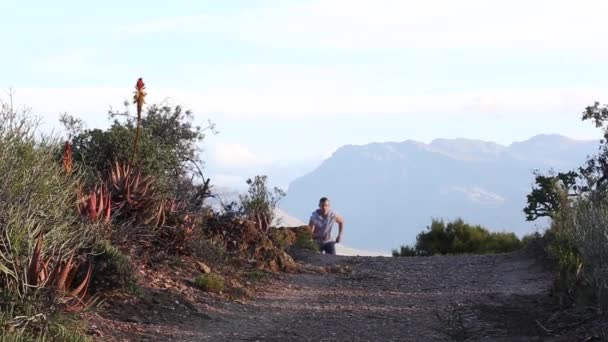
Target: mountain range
x=388, y=192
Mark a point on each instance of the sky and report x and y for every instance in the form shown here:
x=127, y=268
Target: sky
x=287, y=82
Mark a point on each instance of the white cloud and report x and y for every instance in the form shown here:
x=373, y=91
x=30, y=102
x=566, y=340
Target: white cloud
x=520, y=102
x=235, y=156
x=393, y=24
x=480, y=195
x=91, y=104
x=433, y=23
x=516, y=103
x=84, y=62
x=229, y=181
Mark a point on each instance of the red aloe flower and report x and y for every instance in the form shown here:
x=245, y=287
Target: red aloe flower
x=139, y=99
x=140, y=84
x=67, y=158
x=140, y=94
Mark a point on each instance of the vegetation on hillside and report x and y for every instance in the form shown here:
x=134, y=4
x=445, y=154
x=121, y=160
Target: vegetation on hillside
x=77, y=216
x=458, y=237
x=577, y=239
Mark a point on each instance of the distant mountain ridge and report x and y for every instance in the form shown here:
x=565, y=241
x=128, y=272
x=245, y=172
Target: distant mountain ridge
x=388, y=192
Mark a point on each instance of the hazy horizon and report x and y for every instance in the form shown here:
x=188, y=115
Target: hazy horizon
x=287, y=82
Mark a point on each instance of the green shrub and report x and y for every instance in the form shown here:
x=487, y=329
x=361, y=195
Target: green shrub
x=36, y=199
x=113, y=268
x=578, y=236
x=256, y=275
x=168, y=149
x=259, y=203
x=279, y=237
x=405, y=251
x=28, y=319
x=530, y=238
x=304, y=241
x=580, y=247
x=458, y=237
x=210, y=282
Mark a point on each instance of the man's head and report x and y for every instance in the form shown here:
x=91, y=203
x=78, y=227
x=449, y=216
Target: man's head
x=324, y=205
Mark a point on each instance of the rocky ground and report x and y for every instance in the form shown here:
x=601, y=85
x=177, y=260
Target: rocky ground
x=338, y=298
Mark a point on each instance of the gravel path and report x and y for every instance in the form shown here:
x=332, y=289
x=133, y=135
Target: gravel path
x=384, y=299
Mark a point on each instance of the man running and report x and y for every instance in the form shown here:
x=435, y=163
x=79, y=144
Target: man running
x=321, y=222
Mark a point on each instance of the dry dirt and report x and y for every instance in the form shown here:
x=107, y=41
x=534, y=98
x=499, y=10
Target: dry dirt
x=474, y=298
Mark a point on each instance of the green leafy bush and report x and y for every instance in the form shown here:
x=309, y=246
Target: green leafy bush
x=304, y=241
x=259, y=203
x=40, y=229
x=37, y=199
x=210, y=282
x=113, y=268
x=458, y=237
x=167, y=150
x=256, y=275
x=580, y=248
x=405, y=251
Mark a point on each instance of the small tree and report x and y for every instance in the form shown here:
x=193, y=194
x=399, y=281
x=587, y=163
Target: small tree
x=590, y=180
x=544, y=199
x=259, y=203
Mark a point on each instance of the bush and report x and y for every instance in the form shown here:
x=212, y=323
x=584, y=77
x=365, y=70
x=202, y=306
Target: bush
x=38, y=224
x=530, y=238
x=37, y=199
x=256, y=275
x=167, y=150
x=304, y=241
x=259, y=203
x=113, y=268
x=578, y=236
x=405, y=251
x=580, y=247
x=458, y=237
x=210, y=282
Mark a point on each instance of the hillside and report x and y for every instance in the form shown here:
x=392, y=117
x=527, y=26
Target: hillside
x=388, y=192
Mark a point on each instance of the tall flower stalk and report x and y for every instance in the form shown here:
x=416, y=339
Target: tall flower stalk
x=67, y=158
x=139, y=100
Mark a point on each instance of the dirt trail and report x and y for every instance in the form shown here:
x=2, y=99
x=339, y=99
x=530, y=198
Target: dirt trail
x=390, y=299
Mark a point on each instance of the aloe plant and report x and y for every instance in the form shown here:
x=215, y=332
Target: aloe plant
x=97, y=206
x=133, y=195
x=60, y=279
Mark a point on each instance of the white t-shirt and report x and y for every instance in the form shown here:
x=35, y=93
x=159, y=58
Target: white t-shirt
x=323, y=225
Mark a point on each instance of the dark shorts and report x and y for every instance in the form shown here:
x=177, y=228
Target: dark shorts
x=328, y=247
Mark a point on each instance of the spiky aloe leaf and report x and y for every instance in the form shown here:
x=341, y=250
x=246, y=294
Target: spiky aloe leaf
x=64, y=271
x=108, y=209
x=43, y=275
x=34, y=267
x=92, y=207
x=81, y=289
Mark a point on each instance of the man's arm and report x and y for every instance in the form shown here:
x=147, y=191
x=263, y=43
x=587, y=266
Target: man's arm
x=340, y=221
x=311, y=224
